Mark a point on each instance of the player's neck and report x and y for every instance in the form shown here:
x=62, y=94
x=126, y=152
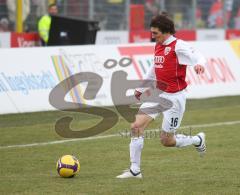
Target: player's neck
x=163, y=38
x=166, y=36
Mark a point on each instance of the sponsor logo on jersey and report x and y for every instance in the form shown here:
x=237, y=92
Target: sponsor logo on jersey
x=167, y=50
x=158, y=61
x=158, y=66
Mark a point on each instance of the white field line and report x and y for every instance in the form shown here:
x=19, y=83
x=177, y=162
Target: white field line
x=113, y=135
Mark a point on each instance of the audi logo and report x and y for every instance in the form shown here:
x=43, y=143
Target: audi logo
x=159, y=59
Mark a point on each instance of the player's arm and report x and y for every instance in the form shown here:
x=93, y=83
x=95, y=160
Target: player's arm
x=147, y=82
x=187, y=55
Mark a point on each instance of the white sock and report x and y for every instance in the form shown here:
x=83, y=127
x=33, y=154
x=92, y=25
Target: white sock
x=135, y=147
x=186, y=140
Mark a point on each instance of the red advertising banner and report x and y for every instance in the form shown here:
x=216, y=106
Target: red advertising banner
x=186, y=35
x=24, y=39
x=232, y=34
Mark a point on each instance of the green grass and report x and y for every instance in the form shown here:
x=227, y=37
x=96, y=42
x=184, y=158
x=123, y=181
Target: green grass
x=31, y=170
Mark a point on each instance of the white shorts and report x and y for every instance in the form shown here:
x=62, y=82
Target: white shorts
x=172, y=117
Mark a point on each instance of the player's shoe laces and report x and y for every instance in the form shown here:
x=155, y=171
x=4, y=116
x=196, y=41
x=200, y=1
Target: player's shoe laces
x=201, y=148
x=129, y=174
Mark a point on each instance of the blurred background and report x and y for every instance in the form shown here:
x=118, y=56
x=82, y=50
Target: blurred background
x=129, y=15
x=113, y=14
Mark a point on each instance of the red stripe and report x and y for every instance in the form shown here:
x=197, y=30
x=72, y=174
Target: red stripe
x=136, y=50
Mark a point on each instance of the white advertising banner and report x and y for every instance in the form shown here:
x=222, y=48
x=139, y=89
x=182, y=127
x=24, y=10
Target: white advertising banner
x=26, y=78
x=28, y=75
x=5, y=39
x=211, y=34
x=222, y=75
x=112, y=37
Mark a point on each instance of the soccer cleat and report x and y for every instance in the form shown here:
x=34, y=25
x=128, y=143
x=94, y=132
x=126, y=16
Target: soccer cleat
x=201, y=148
x=129, y=174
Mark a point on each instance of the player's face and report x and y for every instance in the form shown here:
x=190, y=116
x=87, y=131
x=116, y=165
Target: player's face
x=157, y=35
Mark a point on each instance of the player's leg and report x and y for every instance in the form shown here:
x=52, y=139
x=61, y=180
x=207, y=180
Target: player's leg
x=171, y=122
x=143, y=118
x=136, y=145
x=172, y=119
x=137, y=140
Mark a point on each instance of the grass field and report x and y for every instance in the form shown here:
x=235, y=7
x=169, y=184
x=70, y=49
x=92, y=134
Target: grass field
x=29, y=169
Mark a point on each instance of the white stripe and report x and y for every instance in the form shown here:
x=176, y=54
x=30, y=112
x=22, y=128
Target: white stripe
x=113, y=135
x=177, y=64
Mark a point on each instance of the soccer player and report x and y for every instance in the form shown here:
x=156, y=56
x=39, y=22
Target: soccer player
x=171, y=58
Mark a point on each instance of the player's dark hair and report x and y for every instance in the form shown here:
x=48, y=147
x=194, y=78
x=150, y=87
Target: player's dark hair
x=164, y=23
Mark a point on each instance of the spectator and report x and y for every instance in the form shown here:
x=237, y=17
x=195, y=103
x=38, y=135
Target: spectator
x=235, y=16
x=4, y=25
x=152, y=8
x=114, y=9
x=228, y=9
x=41, y=7
x=199, y=18
x=12, y=11
x=204, y=8
x=215, y=18
x=44, y=23
x=3, y=9
x=78, y=8
x=61, y=4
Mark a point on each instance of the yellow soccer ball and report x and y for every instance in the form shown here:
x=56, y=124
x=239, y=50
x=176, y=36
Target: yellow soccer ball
x=68, y=166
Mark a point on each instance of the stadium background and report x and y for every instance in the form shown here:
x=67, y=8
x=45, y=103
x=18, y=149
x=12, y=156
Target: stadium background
x=192, y=18
x=30, y=146
x=113, y=14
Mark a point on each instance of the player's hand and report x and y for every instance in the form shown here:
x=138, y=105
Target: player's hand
x=137, y=94
x=199, y=69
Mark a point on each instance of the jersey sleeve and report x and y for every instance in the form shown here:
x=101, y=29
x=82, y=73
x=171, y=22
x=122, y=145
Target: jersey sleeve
x=187, y=55
x=150, y=76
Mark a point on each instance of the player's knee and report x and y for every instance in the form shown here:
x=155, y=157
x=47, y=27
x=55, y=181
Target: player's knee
x=136, y=129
